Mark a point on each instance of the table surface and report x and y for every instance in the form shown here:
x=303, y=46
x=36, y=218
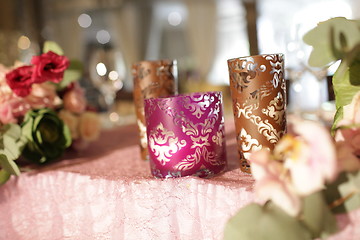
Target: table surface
x=107, y=192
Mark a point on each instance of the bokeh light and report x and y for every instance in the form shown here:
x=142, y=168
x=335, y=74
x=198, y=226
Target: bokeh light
x=113, y=75
x=84, y=20
x=174, y=18
x=101, y=69
x=103, y=36
x=24, y=43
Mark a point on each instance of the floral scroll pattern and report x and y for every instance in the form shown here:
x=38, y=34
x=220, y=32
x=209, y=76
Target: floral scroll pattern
x=202, y=103
x=276, y=68
x=243, y=72
x=276, y=109
x=258, y=91
x=151, y=79
x=191, y=160
x=248, y=143
x=164, y=144
x=264, y=126
x=199, y=118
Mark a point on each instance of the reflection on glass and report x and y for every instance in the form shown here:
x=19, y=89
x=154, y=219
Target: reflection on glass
x=308, y=86
x=107, y=73
x=280, y=29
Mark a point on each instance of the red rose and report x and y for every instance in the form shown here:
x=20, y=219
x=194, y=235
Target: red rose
x=20, y=80
x=49, y=67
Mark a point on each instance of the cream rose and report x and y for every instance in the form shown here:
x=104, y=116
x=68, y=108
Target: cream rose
x=89, y=126
x=71, y=121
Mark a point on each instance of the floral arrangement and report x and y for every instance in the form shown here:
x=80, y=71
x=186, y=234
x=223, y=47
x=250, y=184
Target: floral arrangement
x=43, y=110
x=313, y=173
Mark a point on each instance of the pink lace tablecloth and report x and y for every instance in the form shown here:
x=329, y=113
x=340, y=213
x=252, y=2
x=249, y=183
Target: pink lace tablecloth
x=107, y=192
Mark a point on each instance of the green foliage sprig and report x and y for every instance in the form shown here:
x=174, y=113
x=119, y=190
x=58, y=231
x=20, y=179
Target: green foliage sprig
x=333, y=40
x=42, y=136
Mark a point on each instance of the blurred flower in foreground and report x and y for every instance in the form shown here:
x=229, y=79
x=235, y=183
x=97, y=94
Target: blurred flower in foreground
x=74, y=99
x=301, y=163
x=49, y=66
x=43, y=110
x=20, y=80
x=47, y=135
x=347, y=136
x=84, y=127
x=89, y=126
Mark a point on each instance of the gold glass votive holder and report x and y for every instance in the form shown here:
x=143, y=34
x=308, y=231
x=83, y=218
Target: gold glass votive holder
x=151, y=79
x=258, y=92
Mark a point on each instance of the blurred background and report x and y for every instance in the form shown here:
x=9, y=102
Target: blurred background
x=108, y=36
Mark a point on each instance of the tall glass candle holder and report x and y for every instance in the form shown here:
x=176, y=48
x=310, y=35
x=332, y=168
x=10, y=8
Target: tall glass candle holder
x=151, y=79
x=258, y=92
x=186, y=135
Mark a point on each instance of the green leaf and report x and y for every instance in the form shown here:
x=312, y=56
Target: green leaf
x=4, y=176
x=11, y=143
x=255, y=222
x=331, y=39
x=11, y=149
x=338, y=116
x=67, y=136
x=344, y=93
x=13, y=131
x=27, y=127
x=343, y=195
x=343, y=88
x=52, y=46
x=72, y=74
x=9, y=165
x=317, y=216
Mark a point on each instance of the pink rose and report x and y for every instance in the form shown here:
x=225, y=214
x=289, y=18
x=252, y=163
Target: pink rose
x=43, y=95
x=89, y=126
x=74, y=99
x=19, y=106
x=272, y=183
x=49, y=67
x=310, y=156
x=6, y=115
x=20, y=80
x=301, y=163
x=347, y=136
x=12, y=108
x=348, y=148
x=10, y=101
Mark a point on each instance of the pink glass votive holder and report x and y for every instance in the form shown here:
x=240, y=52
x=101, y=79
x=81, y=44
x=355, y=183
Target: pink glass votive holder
x=186, y=135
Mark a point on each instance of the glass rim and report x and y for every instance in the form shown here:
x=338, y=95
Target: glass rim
x=182, y=95
x=254, y=56
x=173, y=61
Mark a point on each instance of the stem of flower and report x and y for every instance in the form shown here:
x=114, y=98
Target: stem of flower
x=340, y=201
